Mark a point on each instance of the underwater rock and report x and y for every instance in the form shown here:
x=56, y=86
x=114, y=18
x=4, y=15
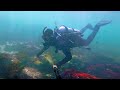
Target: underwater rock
x=14, y=71
x=5, y=56
x=48, y=57
x=48, y=76
x=30, y=73
x=105, y=71
x=21, y=55
x=15, y=60
x=14, y=68
x=101, y=60
x=37, y=62
x=7, y=68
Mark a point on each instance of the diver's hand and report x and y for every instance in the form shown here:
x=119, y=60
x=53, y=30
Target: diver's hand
x=36, y=58
x=41, y=57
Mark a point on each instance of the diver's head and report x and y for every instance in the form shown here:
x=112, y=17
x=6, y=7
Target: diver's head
x=47, y=34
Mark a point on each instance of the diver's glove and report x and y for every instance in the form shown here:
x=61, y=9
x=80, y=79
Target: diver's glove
x=103, y=22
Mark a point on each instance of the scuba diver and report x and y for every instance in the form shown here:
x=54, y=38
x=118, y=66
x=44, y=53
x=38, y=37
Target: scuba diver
x=65, y=38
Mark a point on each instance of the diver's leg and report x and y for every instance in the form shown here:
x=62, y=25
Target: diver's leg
x=68, y=57
x=89, y=26
x=91, y=36
x=95, y=30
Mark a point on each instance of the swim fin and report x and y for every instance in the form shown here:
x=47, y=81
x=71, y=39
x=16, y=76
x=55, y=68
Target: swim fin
x=103, y=22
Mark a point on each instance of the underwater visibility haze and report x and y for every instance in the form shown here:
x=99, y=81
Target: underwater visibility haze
x=21, y=39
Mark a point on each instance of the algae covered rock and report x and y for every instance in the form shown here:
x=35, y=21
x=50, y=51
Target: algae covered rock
x=30, y=73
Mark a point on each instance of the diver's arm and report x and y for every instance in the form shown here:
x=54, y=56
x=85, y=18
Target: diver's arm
x=42, y=50
x=68, y=57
